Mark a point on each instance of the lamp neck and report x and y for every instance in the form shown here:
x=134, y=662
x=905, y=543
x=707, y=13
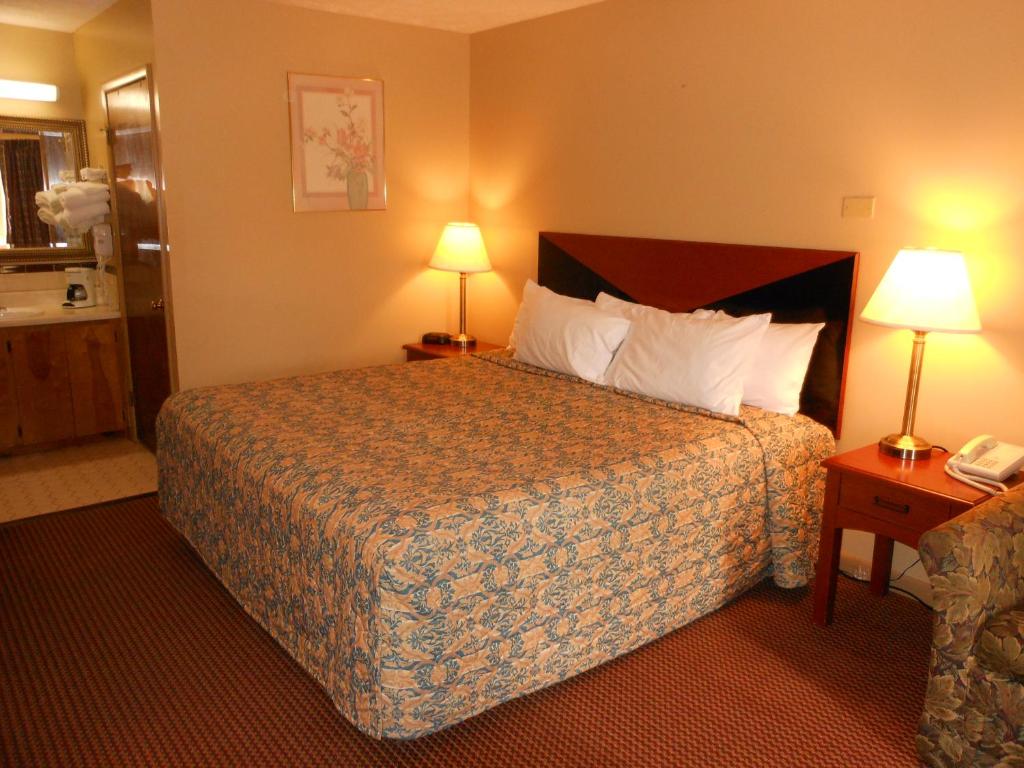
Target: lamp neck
x=913, y=383
x=462, y=303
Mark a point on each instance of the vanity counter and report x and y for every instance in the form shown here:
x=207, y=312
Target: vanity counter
x=50, y=314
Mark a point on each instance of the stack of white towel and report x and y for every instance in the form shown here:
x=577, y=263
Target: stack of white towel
x=74, y=206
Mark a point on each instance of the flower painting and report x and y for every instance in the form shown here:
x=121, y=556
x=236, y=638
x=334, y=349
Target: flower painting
x=337, y=127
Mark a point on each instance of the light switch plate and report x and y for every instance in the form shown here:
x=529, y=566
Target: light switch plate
x=858, y=207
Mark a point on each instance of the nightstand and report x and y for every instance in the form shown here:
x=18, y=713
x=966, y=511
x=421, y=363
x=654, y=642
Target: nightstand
x=894, y=499
x=439, y=351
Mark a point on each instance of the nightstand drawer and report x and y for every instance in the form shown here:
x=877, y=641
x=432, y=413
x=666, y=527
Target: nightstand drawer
x=892, y=503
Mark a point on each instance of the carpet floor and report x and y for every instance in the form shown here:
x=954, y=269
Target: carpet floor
x=119, y=647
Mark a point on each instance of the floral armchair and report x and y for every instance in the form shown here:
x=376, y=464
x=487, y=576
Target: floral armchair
x=974, y=708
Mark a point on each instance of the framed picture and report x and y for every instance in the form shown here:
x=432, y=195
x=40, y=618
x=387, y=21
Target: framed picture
x=337, y=129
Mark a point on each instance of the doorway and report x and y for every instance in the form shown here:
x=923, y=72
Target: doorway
x=140, y=247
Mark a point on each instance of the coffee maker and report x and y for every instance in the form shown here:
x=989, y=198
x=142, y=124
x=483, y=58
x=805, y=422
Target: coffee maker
x=81, y=283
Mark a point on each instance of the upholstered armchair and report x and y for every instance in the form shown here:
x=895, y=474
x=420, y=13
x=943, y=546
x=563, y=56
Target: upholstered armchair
x=974, y=708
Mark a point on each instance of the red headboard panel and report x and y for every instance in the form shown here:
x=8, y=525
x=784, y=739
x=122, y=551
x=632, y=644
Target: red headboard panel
x=795, y=284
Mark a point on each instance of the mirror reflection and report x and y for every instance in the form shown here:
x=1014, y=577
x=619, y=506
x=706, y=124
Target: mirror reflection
x=36, y=156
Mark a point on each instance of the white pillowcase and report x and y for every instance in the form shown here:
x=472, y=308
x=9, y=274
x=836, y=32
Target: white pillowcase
x=771, y=377
x=566, y=335
x=779, y=370
x=633, y=311
x=686, y=359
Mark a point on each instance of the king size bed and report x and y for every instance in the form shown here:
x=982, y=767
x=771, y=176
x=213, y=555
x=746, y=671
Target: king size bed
x=431, y=539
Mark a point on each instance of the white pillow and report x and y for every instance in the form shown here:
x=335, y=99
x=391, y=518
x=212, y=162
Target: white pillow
x=778, y=373
x=565, y=334
x=685, y=359
x=633, y=311
x=531, y=290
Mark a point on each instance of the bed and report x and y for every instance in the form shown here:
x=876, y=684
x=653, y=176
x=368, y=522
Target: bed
x=428, y=540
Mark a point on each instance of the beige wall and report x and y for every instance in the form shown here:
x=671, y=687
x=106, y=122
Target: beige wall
x=40, y=56
x=748, y=122
x=260, y=291
x=717, y=121
x=115, y=43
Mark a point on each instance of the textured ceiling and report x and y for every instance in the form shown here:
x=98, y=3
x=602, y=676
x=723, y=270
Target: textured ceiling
x=58, y=15
x=455, y=15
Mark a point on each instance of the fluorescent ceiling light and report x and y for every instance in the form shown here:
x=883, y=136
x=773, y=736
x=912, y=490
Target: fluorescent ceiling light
x=18, y=89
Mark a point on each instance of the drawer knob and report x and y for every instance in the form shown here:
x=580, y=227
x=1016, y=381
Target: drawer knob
x=892, y=506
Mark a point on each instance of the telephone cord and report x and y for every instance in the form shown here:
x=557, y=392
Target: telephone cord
x=992, y=487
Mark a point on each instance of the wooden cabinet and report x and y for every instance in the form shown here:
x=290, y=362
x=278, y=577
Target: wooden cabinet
x=95, y=373
x=40, y=363
x=8, y=398
x=59, y=382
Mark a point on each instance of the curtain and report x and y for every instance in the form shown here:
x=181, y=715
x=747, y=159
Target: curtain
x=5, y=223
x=22, y=178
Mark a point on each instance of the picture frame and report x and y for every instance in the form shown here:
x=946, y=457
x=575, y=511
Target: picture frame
x=337, y=143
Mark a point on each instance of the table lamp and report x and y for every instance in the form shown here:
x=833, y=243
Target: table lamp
x=461, y=249
x=923, y=290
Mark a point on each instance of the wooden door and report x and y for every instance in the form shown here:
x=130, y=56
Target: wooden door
x=134, y=157
x=40, y=363
x=96, y=391
x=8, y=398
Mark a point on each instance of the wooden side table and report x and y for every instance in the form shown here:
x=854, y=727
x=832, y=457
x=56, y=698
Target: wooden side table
x=894, y=499
x=415, y=352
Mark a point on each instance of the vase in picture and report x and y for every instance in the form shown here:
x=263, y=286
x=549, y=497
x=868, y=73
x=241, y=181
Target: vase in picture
x=357, y=185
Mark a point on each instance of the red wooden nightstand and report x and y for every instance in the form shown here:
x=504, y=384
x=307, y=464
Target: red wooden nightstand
x=438, y=351
x=894, y=499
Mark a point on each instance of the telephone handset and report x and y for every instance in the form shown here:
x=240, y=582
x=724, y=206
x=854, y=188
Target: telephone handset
x=984, y=463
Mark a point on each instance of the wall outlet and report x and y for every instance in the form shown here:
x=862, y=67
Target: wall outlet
x=860, y=572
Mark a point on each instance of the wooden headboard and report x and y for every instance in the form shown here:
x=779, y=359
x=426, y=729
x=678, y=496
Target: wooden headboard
x=796, y=285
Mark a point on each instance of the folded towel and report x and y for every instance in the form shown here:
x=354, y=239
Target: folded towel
x=48, y=217
x=76, y=197
x=48, y=199
x=93, y=174
x=72, y=231
x=92, y=186
x=83, y=218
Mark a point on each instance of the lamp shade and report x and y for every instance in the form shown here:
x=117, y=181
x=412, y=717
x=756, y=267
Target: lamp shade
x=925, y=290
x=461, y=249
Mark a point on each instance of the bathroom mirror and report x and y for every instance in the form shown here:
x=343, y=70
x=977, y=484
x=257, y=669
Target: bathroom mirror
x=33, y=153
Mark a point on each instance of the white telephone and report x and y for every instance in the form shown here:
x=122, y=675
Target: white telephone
x=984, y=463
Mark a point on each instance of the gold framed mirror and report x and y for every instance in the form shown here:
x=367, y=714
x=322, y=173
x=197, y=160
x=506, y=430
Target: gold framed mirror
x=33, y=154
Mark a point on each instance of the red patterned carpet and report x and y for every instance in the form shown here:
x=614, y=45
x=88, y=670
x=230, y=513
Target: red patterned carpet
x=118, y=647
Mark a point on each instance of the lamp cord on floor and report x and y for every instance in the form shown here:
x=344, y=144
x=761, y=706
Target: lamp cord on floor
x=894, y=588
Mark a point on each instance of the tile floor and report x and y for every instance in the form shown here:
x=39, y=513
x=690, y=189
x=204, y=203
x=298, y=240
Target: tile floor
x=49, y=481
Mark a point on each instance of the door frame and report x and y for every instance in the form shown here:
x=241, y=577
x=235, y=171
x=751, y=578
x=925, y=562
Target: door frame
x=134, y=76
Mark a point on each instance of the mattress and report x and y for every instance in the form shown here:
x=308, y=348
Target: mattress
x=431, y=539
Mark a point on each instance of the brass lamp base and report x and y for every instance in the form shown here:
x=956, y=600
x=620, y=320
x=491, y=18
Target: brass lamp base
x=462, y=340
x=905, y=447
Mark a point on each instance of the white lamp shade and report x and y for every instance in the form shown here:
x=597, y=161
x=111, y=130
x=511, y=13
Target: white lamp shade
x=925, y=290
x=461, y=249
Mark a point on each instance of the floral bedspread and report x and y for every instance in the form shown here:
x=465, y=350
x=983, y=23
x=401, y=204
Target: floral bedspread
x=431, y=539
